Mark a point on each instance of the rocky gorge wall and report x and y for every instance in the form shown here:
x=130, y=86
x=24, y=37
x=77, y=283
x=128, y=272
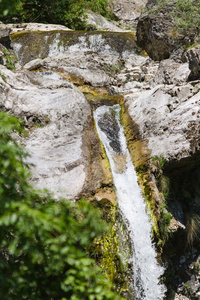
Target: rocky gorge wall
x=60, y=77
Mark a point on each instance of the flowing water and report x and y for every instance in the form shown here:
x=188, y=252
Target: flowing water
x=131, y=203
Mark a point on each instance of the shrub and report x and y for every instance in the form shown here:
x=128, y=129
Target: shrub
x=70, y=13
x=43, y=242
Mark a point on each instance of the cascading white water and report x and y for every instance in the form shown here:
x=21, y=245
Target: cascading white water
x=131, y=203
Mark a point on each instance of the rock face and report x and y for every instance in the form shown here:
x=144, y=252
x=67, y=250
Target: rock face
x=5, y=35
x=153, y=34
x=127, y=11
x=57, y=113
x=58, y=117
x=54, y=43
x=172, y=72
x=165, y=115
x=98, y=22
x=157, y=33
x=107, y=60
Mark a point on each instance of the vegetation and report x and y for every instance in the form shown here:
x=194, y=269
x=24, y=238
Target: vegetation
x=7, y=7
x=163, y=184
x=192, y=226
x=10, y=59
x=184, y=13
x=70, y=13
x=43, y=242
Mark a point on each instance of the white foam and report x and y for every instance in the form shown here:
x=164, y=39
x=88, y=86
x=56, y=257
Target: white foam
x=146, y=269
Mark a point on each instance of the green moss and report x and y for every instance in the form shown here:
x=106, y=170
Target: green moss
x=37, y=44
x=96, y=100
x=112, y=255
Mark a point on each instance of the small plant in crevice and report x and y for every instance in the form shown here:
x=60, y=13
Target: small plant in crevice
x=163, y=223
x=187, y=286
x=11, y=59
x=3, y=77
x=192, y=227
x=114, y=69
x=158, y=161
x=163, y=184
x=196, y=89
x=196, y=267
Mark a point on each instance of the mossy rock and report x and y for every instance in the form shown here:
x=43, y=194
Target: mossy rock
x=97, y=100
x=31, y=45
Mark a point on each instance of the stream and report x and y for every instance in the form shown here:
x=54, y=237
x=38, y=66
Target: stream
x=146, y=270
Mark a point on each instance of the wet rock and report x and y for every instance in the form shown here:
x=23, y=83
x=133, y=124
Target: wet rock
x=32, y=45
x=110, y=127
x=186, y=279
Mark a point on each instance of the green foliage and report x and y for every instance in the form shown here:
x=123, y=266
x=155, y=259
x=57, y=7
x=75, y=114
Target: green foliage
x=159, y=161
x=187, y=286
x=66, y=12
x=7, y=7
x=98, y=6
x=196, y=267
x=43, y=242
x=163, y=223
x=70, y=13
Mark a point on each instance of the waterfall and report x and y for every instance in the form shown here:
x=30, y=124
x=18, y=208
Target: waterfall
x=146, y=270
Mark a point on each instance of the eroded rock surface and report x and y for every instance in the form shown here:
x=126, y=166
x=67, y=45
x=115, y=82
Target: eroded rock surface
x=58, y=117
x=98, y=22
x=108, y=60
x=127, y=11
x=14, y=28
x=168, y=117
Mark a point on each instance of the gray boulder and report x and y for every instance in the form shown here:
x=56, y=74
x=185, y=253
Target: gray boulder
x=193, y=57
x=98, y=22
x=156, y=33
x=172, y=72
x=5, y=35
x=127, y=11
